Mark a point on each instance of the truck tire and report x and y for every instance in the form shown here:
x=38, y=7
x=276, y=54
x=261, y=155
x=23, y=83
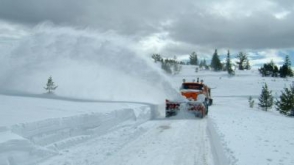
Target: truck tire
x=210, y=102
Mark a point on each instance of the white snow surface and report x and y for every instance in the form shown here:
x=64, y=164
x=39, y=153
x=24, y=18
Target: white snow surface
x=53, y=130
x=105, y=112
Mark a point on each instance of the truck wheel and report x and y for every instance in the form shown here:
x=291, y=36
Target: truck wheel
x=201, y=115
x=210, y=101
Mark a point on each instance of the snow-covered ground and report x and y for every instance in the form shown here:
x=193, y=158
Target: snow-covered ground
x=109, y=108
x=47, y=131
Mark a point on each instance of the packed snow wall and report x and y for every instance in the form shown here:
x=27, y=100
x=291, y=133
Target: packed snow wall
x=83, y=63
x=28, y=143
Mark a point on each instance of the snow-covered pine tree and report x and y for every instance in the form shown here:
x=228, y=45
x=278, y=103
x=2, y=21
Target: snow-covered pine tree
x=266, y=99
x=286, y=102
x=50, y=85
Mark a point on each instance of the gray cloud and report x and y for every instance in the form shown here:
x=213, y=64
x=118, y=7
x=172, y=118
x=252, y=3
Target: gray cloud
x=35, y=11
x=256, y=32
x=204, y=24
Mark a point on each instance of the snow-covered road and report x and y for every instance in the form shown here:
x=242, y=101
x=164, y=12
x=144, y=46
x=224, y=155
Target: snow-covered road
x=93, y=133
x=179, y=140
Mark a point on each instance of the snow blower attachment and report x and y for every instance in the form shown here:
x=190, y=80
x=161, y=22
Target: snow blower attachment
x=198, y=99
x=171, y=108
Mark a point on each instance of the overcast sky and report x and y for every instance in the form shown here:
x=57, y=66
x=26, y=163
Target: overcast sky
x=168, y=27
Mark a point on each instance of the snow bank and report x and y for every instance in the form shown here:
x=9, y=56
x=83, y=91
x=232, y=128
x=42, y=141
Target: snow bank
x=217, y=148
x=30, y=142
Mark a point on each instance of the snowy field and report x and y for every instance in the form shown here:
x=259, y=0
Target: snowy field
x=108, y=108
x=46, y=131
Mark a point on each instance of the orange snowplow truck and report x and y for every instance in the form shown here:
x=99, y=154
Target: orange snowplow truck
x=198, y=97
x=191, y=90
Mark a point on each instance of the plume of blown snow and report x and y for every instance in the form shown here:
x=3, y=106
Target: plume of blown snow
x=84, y=64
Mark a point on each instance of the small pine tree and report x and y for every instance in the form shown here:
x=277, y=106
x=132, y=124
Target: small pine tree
x=251, y=102
x=266, y=99
x=286, y=102
x=215, y=62
x=193, y=59
x=50, y=85
x=229, y=64
x=286, y=70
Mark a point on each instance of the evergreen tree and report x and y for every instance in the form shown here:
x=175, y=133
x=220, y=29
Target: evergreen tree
x=156, y=57
x=203, y=64
x=286, y=102
x=286, y=70
x=50, y=85
x=215, y=62
x=166, y=66
x=242, y=63
x=266, y=99
x=193, y=59
x=229, y=64
x=269, y=69
x=247, y=65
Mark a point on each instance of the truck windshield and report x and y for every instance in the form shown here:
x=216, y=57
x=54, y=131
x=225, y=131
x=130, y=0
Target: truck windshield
x=192, y=86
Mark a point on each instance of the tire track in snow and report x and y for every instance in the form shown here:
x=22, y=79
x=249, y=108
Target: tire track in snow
x=167, y=142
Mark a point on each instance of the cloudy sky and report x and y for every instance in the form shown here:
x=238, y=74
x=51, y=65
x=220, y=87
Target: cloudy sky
x=263, y=29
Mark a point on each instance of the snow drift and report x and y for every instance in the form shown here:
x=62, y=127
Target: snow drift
x=35, y=139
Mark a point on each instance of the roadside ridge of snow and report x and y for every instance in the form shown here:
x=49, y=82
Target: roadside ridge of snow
x=33, y=141
x=217, y=147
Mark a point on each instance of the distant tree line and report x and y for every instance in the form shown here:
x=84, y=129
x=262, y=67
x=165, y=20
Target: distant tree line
x=271, y=69
x=215, y=65
x=242, y=63
x=170, y=66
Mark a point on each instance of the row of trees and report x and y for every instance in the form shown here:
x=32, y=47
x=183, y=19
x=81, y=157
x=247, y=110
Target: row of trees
x=242, y=63
x=195, y=61
x=271, y=69
x=285, y=103
x=170, y=66
x=216, y=65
